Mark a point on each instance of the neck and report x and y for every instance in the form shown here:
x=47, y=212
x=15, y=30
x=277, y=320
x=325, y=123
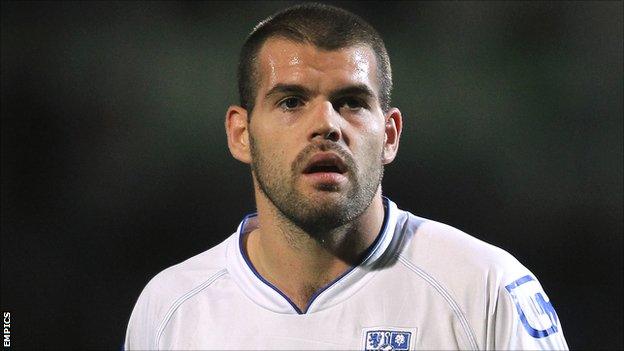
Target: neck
x=299, y=263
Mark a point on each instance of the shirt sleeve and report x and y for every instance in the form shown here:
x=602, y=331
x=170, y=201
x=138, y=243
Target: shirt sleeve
x=526, y=318
x=148, y=311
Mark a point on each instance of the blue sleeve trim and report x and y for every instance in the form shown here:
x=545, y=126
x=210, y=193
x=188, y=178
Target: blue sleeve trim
x=545, y=307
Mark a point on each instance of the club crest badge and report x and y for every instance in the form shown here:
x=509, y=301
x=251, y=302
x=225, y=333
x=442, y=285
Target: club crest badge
x=388, y=339
x=536, y=313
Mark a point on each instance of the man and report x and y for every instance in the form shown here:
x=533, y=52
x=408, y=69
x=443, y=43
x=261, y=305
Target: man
x=328, y=262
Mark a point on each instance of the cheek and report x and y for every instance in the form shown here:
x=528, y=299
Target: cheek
x=273, y=151
x=378, y=137
x=373, y=134
x=370, y=126
x=369, y=149
x=276, y=148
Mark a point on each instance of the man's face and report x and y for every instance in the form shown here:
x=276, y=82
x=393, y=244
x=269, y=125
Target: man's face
x=317, y=132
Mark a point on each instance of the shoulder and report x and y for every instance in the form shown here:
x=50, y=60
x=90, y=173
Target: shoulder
x=467, y=270
x=170, y=288
x=189, y=273
x=486, y=287
x=444, y=250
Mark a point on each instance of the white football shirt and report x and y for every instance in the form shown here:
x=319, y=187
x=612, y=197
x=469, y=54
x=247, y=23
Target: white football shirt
x=422, y=285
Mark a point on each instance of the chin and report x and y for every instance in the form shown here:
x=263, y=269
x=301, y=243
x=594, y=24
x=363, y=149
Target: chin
x=328, y=196
x=329, y=204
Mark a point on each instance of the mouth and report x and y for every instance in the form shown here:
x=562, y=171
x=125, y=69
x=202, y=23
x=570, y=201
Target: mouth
x=326, y=171
x=325, y=162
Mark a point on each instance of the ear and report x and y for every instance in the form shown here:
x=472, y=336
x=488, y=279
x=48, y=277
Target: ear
x=394, y=125
x=237, y=130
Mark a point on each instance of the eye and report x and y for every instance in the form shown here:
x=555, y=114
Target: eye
x=352, y=104
x=290, y=103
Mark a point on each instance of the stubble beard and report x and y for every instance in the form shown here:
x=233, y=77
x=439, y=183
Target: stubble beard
x=318, y=215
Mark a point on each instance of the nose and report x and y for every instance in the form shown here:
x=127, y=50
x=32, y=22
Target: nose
x=325, y=123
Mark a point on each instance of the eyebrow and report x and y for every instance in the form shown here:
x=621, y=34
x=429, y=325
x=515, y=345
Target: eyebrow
x=357, y=89
x=353, y=90
x=288, y=89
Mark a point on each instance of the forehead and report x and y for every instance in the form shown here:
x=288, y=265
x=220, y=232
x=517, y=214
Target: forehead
x=282, y=61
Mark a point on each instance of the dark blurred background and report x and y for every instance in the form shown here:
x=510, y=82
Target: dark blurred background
x=115, y=165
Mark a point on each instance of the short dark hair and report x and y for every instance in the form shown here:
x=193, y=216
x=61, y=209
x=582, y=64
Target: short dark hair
x=326, y=27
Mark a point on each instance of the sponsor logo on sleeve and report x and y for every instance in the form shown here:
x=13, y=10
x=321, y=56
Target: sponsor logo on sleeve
x=536, y=313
